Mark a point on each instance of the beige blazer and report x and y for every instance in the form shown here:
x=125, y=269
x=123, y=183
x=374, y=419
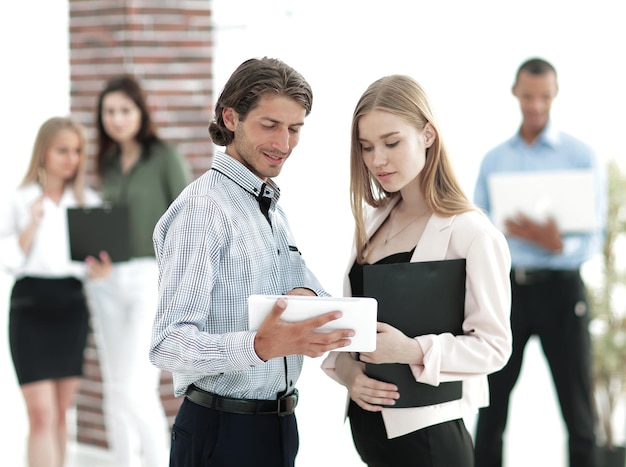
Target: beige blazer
x=485, y=345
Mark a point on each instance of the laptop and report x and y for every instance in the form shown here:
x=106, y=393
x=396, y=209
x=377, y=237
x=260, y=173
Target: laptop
x=566, y=195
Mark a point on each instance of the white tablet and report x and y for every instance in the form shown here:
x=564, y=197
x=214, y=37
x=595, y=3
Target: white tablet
x=359, y=314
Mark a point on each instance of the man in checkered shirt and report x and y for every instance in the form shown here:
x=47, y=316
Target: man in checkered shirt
x=223, y=239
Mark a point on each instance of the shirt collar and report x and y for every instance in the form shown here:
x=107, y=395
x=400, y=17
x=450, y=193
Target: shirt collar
x=242, y=176
x=549, y=136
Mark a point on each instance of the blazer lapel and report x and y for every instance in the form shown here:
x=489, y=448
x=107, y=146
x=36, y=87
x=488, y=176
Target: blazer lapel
x=433, y=244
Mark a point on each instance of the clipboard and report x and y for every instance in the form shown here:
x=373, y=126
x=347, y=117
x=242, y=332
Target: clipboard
x=358, y=313
x=417, y=298
x=96, y=229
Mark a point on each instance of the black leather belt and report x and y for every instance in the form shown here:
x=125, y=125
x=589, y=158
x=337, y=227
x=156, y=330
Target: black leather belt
x=282, y=406
x=523, y=276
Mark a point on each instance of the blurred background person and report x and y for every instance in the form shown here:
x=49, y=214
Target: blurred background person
x=138, y=170
x=48, y=315
x=548, y=295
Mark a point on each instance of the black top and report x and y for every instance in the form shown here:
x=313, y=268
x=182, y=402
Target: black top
x=356, y=272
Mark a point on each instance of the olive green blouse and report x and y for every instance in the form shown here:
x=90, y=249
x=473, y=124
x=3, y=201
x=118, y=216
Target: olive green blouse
x=157, y=178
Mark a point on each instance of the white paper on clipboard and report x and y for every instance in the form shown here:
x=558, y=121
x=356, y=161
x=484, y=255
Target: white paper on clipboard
x=358, y=313
x=566, y=195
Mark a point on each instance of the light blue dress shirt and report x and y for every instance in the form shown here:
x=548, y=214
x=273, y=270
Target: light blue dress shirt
x=553, y=150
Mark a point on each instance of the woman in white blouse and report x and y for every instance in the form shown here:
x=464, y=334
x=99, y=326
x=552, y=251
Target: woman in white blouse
x=48, y=317
x=400, y=168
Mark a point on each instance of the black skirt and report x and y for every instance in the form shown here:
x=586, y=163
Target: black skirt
x=48, y=325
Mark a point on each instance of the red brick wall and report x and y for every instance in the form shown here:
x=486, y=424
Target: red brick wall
x=169, y=47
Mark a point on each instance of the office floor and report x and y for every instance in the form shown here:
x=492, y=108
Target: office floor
x=534, y=417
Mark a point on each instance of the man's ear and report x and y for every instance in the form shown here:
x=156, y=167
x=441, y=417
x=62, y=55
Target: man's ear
x=430, y=134
x=514, y=89
x=230, y=118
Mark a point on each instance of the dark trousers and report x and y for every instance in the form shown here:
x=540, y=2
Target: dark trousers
x=553, y=307
x=446, y=444
x=204, y=437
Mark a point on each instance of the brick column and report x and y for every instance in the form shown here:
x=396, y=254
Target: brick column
x=168, y=46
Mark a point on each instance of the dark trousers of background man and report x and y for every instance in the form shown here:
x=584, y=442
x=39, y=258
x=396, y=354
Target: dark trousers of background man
x=205, y=437
x=553, y=306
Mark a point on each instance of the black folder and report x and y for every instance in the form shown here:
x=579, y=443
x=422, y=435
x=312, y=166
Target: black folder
x=97, y=229
x=417, y=298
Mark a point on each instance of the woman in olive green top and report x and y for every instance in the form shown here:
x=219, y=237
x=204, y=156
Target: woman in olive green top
x=140, y=171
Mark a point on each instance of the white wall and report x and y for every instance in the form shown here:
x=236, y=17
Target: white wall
x=34, y=82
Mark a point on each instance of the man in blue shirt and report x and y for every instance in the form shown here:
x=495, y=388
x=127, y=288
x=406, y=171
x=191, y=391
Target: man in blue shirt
x=548, y=295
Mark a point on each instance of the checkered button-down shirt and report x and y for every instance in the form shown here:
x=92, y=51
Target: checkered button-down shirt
x=214, y=248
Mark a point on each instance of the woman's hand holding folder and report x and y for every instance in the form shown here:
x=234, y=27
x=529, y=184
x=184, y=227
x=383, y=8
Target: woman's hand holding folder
x=393, y=346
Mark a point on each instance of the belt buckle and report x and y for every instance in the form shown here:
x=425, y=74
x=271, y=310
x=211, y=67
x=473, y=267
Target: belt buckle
x=287, y=404
x=282, y=407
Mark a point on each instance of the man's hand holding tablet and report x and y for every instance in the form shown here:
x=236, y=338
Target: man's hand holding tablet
x=311, y=325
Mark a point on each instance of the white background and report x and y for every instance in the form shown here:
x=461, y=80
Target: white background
x=464, y=53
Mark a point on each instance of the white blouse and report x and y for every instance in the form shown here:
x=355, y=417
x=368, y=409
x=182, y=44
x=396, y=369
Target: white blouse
x=49, y=255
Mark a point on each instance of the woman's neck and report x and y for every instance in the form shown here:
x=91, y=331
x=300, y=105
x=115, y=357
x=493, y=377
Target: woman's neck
x=412, y=201
x=530, y=134
x=54, y=189
x=129, y=155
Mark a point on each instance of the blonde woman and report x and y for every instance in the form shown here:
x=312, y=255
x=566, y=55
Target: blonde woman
x=48, y=316
x=409, y=207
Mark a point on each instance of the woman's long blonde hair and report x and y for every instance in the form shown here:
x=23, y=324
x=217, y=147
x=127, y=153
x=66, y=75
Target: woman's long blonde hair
x=45, y=138
x=402, y=96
